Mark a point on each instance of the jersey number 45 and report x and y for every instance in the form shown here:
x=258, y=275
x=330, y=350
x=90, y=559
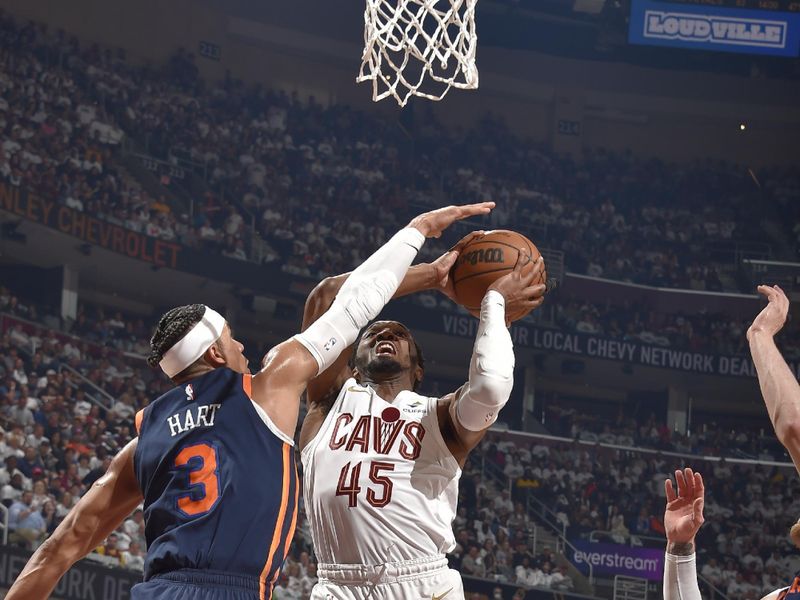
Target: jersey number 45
x=349, y=478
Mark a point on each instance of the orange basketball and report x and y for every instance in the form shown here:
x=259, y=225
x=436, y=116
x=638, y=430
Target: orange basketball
x=485, y=260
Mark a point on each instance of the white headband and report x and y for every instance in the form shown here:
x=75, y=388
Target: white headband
x=191, y=346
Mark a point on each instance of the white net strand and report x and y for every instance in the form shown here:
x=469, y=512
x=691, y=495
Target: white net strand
x=407, y=42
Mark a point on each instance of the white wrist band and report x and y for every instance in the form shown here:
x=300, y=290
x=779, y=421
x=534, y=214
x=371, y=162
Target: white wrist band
x=680, y=577
x=491, y=370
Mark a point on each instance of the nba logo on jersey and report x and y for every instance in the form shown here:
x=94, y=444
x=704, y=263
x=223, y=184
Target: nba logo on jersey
x=189, y=393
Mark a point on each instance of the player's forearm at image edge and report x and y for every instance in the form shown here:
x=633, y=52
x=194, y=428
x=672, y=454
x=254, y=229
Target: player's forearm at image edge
x=102, y=508
x=780, y=390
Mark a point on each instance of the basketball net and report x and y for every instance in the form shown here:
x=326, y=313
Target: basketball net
x=419, y=48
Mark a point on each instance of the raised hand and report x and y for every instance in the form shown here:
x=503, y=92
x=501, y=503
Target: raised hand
x=684, y=513
x=771, y=319
x=432, y=223
x=443, y=265
x=517, y=289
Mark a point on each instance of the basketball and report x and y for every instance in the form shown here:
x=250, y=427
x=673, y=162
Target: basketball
x=484, y=261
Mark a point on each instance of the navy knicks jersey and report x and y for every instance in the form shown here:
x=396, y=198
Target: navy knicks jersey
x=793, y=591
x=219, y=481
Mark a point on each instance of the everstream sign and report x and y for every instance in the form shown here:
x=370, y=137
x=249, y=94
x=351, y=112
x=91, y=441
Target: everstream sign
x=714, y=28
x=612, y=559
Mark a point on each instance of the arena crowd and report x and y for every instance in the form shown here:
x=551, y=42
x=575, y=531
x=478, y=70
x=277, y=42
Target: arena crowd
x=316, y=187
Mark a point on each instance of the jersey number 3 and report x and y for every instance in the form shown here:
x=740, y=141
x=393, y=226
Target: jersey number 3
x=203, y=477
x=351, y=488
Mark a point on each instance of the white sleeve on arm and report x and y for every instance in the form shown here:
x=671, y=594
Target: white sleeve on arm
x=680, y=578
x=491, y=370
x=362, y=297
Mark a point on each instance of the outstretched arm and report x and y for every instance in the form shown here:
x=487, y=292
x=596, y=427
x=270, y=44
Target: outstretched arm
x=290, y=366
x=779, y=387
x=474, y=408
x=682, y=520
x=112, y=498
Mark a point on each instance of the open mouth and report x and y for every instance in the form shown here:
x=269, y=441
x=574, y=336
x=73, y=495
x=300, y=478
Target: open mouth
x=385, y=349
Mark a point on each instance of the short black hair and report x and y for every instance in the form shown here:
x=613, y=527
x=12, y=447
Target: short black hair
x=417, y=351
x=172, y=326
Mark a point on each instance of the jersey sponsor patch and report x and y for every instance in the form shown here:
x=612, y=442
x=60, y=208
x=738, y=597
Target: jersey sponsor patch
x=415, y=408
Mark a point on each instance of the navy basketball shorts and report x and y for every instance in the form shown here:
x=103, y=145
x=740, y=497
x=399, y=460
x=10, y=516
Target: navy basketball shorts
x=191, y=584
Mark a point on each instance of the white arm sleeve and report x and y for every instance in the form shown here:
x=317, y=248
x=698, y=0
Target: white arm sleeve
x=361, y=298
x=491, y=370
x=680, y=578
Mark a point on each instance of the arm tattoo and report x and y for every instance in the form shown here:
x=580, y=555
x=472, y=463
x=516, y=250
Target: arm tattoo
x=680, y=548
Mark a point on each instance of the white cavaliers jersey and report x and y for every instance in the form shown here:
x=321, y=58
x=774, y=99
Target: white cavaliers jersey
x=380, y=484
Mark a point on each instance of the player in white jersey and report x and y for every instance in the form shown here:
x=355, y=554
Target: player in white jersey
x=381, y=462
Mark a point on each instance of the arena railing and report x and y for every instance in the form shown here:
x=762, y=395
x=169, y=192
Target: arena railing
x=195, y=175
x=559, y=530
x=8, y=322
x=31, y=350
x=663, y=299
x=630, y=588
x=629, y=540
x=716, y=593
x=110, y=399
x=550, y=519
x=546, y=516
x=694, y=457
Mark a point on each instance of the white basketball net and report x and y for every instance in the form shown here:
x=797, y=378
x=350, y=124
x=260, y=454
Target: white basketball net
x=419, y=48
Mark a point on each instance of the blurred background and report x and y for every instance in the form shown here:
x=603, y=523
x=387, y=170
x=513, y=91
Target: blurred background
x=157, y=154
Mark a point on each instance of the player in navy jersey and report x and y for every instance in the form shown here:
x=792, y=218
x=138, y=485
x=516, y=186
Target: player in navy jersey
x=213, y=462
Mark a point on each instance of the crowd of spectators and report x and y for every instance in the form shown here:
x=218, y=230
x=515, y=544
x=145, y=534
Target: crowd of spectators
x=618, y=496
x=494, y=541
x=326, y=184
x=93, y=325
x=57, y=438
x=704, y=332
x=60, y=142
x=322, y=185
x=742, y=437
x=55, y=441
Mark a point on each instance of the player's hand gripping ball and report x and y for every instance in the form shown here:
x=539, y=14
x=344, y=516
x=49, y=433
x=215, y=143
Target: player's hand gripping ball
x=484, y=260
